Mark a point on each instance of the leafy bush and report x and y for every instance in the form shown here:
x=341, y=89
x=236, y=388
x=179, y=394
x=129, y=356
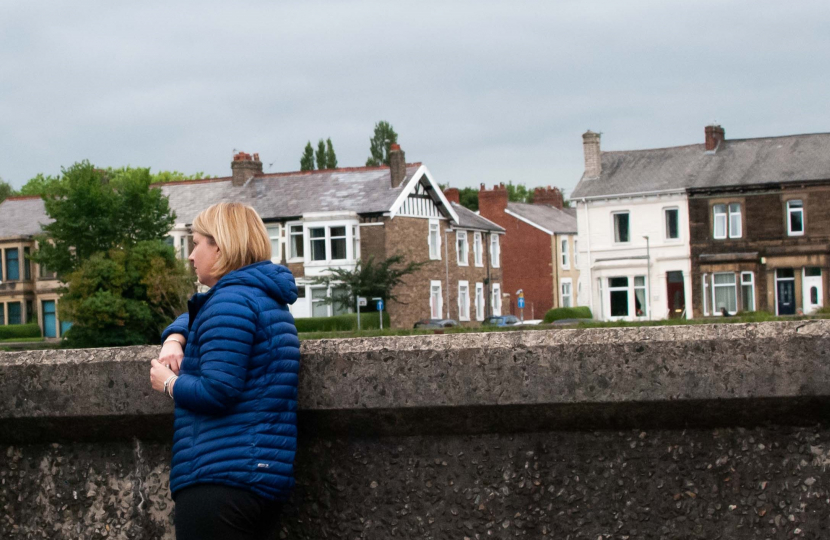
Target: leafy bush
x=19, y=331
x=556, y=314
x=342, y=323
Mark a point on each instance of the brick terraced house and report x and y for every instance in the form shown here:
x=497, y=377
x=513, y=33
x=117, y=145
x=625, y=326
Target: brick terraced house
x=539, y=252
x=320, y=220
x=28, y=292
x=759, y=213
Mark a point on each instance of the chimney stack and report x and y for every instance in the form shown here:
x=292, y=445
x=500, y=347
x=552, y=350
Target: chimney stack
x=397, y=164
x=453, y=195
x=714, y=136
x=492, y=203
x=550, y=196
x=244, y=166
x=593, y=161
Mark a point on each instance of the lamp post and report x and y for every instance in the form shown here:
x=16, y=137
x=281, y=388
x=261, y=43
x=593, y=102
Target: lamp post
x=648, y=277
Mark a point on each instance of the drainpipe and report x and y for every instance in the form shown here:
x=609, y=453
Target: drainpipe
x=447, y=263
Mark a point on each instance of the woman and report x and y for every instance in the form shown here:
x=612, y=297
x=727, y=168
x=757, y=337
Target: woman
x=231, y=364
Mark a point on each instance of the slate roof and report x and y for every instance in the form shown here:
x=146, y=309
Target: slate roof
x=363, y=190
x=22, y=216
x=467, y=219
x=549, y=217
x=739, y=162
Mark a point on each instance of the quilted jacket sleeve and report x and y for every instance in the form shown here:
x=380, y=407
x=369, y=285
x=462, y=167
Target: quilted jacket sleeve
x=179, y=326
x=225, y=343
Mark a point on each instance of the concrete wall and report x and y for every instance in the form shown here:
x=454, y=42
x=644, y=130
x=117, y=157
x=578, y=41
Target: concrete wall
x=675, y=432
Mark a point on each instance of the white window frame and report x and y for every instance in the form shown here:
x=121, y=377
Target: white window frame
x=722, y=216
x=628, y=291
x=324, y=239
x=739, y=220
x=790, y=212
x=434, y=242
x=495, y=299
x=750, y=283
x=477, y=252
x=290, y=238
x=564, y=258
x=464, y=302
x=495, y=251
x=715, y=286
x=562, y=295
x=479, y=301
x=461, y=239
x=614, y=227
x=273, y=228
x=576, y=253
x=330, y=242
x=706, y=299
x=440, y=297
x=631, y=294
x=666, y=211
x=355, y=242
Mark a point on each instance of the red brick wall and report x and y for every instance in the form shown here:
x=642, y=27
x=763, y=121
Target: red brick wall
x=526, y=256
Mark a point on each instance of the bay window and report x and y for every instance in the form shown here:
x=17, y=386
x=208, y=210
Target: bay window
x=625, y=293
x=337, y=243
x=725, y=293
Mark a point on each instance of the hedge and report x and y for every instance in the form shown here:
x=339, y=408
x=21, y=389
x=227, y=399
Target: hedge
x=342, y=323
x=556, y=314
x=17, y=331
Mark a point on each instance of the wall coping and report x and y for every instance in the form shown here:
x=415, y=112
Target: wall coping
x=602, y=378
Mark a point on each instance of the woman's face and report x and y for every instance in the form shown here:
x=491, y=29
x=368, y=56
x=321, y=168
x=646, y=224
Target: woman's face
x=204, y=256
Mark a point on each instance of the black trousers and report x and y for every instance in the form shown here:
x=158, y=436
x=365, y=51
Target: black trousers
x=208, y=511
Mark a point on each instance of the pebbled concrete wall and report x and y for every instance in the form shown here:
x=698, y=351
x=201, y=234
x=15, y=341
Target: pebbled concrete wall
x=605, y=433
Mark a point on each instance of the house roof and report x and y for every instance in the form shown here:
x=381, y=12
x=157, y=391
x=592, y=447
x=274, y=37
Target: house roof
x=467, y=219
x=22, y=216
x=363, y=190
x=548, y=217
x=739, y=162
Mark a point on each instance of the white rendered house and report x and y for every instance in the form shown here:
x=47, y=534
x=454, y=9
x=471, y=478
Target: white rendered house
x=634, y=257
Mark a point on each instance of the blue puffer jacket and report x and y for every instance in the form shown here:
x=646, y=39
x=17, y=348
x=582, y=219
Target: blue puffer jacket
x=236, y=395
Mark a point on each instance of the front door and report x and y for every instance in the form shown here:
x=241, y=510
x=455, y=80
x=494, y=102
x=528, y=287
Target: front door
x=676, y=294
x=785, y=291
x=813, y=290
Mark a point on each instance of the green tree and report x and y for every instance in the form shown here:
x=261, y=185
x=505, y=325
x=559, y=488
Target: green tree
x=379, y=144
x=176, y=176
x=40, y=185
x=519, y=193
x=95, y=211
x=468, y=198
x=125, y=296
x=123, y=283
x=370, y=279
x=331, y=158
x=307, y=161
x=6, y=190
x=321, y=155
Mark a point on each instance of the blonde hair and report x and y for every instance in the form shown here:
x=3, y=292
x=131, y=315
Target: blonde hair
x=239, y=233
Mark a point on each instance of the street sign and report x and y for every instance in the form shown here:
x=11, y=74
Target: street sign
x=362, y=302
x=380, y=305
x=521, y=302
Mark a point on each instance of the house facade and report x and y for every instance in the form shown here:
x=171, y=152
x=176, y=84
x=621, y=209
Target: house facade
x=633, y=239
x=28, y=292
x=539, y=254
x=760, y=228
x=706, y=229
x=322, y=220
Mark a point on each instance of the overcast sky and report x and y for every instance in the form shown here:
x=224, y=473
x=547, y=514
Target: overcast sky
x=479, y=91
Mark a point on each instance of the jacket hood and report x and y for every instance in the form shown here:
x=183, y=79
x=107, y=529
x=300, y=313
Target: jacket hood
x=276, y=280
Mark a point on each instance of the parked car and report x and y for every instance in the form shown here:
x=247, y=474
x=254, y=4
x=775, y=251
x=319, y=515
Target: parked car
x=531, y=322
x=434, y=324
x=501, y=320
